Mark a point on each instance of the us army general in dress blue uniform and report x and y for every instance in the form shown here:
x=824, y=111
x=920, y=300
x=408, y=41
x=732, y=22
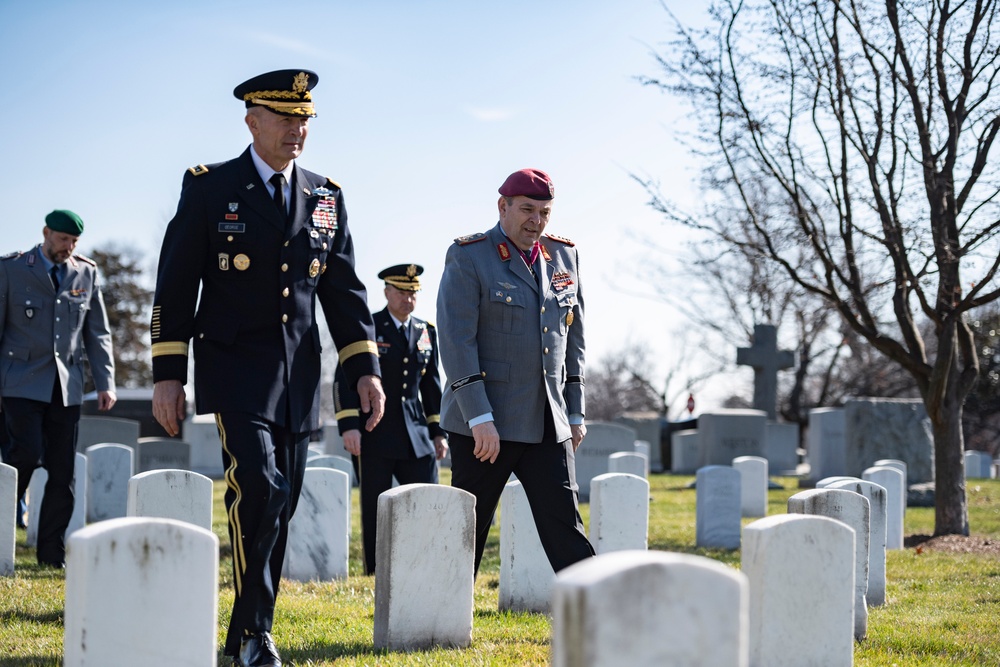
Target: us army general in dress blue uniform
x=263, y=239
x=51, y=314
x=510, y=315
x=409, y=439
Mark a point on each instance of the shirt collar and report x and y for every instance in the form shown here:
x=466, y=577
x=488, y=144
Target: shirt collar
x=397, y=322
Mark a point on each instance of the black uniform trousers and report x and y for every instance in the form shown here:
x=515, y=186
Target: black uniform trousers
x=547, y=472
x=45, y=433
x=264, y=467
x=375, y=474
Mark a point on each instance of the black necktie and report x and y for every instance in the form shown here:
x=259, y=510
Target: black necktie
x=402, y=332
x=278, y=181
x=54, y=272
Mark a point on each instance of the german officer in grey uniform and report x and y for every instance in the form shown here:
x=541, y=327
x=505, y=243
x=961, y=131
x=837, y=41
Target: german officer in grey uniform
x=51, y=314
x=262, y=239
x=409, y=440
x=510, y=314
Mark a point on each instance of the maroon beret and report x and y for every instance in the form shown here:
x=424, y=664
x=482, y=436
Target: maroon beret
x=531, y=183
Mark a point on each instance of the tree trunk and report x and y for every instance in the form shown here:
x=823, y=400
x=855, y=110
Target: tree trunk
x=951, y=516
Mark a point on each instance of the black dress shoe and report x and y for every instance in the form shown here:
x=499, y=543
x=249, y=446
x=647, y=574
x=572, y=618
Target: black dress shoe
x=258, y=651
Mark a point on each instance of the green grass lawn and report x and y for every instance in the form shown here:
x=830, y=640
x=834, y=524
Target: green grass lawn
x=942, y=608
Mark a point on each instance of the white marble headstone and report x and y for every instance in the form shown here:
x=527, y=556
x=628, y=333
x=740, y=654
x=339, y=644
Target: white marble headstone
x=781, y=447
x=684, y=453
x=718, y=507
x=109, y=468
x=878, y=500
x=202, y=433
x=424, y=567
x=35, y=498
x=319, y=532
x=631, y=463
x=78, y=519
x=171, y=494
x=335, y=462
x=825, y=443
x=141, y=592
x=801, y=573
x=854, y=510
x=8, y=525
x=619, y=512
x=827, y=481
x=162, y=454
x=526, y=575
x=645, y=608
x=892, y=479
x=753, y=485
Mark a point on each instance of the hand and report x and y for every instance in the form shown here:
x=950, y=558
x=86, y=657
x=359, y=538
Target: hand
x=579, y=432
x=106, y=400
x=372, y=399
x=487, y=442
x=441, y=447
x=352, y=441
x=169, y=405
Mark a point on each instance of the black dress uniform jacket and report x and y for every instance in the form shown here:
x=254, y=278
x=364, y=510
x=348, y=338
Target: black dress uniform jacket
x=412, y=388
x=256, y=341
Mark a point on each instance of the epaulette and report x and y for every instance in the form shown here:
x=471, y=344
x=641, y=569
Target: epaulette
x=16, y=253
x=471, y=238
x=85, y=260
x=198, y=170
x=334, y=183
x=561, y=240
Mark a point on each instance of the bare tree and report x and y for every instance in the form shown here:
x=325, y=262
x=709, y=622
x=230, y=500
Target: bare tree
x=867, y=127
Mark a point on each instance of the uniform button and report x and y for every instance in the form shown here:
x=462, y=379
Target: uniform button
x=229, y=238
x=405, y=373
x=57, y=354
x=545, y=351
x=57, y=336
x=201, y=335
x=483, y=373
x=508, y=299
x=284, y=267
x=404, y=385
x=284, y=318
x=406, y=360
x=543, y=309
x=58, y=300
x=324, y=246
x=284, y=292
x=545, y=329
x=57, y=319
x=286, y=244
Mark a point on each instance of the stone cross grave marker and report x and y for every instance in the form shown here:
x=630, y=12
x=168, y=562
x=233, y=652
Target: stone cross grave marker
x=766, y=360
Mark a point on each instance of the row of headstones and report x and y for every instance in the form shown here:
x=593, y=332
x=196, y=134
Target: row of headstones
x=980, y=465
x=424, y=553
x=727, y=434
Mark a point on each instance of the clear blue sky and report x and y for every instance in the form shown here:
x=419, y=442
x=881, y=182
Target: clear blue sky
x=424, y=108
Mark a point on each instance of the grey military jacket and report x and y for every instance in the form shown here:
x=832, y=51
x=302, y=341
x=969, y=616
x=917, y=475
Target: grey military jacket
x=43, y=332
x=508, y=345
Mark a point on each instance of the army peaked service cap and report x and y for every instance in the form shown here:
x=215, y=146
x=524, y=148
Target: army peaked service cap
x=285, y=92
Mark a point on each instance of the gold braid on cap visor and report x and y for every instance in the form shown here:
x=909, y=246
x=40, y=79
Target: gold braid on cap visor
x=408, y=285
x=301, y=102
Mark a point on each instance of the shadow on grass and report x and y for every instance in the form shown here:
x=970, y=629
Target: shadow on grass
x=53, y=617
x=28, y=661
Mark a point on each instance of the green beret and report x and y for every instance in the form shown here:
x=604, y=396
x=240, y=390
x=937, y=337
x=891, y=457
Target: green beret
x=64, y=221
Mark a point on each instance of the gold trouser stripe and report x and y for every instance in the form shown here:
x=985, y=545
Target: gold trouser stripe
x=433, y=419
x=235, y=532
x=361, y=347
x=344, y=414
x=172, y=347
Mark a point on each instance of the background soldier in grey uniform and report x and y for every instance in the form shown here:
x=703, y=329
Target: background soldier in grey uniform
x=51, y=312
x=510, y=315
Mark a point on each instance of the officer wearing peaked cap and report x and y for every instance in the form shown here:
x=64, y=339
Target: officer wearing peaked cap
x=51, y=313
x=261, y=239
x=510, y=310
x=409, y=440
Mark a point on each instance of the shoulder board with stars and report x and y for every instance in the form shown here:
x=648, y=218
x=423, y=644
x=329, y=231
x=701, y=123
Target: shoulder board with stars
x=471, y=238
x=12, y=255
x=198, y=170
x=85, y=260
x=560, y=239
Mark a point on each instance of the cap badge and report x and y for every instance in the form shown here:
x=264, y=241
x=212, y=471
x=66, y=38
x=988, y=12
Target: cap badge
x=411, y=270
x=300, y=83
